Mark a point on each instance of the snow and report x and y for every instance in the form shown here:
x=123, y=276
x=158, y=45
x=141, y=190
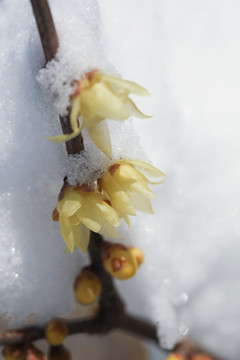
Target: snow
x=30, y=242
x=186, y=54
x=192, y=243
x=88, y=166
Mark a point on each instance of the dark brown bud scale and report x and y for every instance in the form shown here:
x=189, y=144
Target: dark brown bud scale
x=113, y=168
x=55, y=215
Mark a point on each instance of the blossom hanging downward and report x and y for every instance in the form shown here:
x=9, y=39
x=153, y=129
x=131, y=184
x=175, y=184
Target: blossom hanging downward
x=127, y=188
x=81, y=209
x=99, y=97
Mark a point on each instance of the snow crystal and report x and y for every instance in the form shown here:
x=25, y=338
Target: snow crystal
x=88, y=166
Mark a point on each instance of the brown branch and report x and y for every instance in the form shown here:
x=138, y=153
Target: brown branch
x=75, y=145
x=98, y=325
x=110, y=300
x=46, y=28
x=50, y=43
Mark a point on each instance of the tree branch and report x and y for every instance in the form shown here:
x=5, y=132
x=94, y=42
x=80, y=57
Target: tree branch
x=99, y=325
x=50, y=43
x=46, y=28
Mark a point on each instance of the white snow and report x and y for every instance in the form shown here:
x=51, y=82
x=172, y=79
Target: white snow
x=187, y=55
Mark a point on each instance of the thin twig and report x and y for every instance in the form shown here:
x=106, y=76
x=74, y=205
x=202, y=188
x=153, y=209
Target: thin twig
x=110, y=300
x=46, y=28
x=50, y=43
x=98, y=325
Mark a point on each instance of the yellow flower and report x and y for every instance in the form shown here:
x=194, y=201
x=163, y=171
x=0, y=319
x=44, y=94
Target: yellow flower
x=99, y=97
x=81, y=209
x=127, y=188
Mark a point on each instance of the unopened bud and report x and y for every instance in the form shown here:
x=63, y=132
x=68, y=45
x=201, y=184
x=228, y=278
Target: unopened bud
x=174, y=356
x=119, y=261
x=87, y=287
x=13, y=352
x=32, y=353
x=55, y=332
x=198, y=356
x=59, y=353
x=138, y=254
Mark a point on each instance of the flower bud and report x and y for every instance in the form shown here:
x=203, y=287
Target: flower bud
x=87, y=287
x=13, y=352
x=59, y=353
x=32, y=353
x=138, y=254
x=119, y=261
x=174, y=356
x=199, y=356
x=55, y=332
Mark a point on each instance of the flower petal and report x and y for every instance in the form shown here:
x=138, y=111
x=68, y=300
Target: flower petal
x=126, y=219
x=133, y=180
x=129, y=86
x=64, y=138
x=108, y=213
x=81, y=236
x=66, y=231
x=149, y=170
x=108, y=230
x=70, y=204
x=75, y=112
x=89, y=216
x=99, y=134
x=119, y=198
x=134, y=111
x=141, y=204
x=102, y=101
x=74, y=220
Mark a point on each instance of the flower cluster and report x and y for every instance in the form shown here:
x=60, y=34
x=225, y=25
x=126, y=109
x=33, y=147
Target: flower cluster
x=99, y=97
x=120, y=191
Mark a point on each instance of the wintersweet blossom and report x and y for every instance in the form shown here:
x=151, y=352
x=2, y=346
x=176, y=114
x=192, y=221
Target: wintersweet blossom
x=126, y=186
x=98, y=97
x=81, y=209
